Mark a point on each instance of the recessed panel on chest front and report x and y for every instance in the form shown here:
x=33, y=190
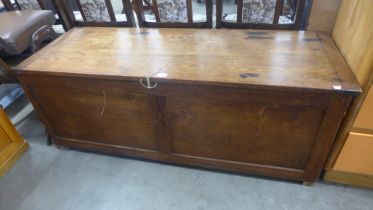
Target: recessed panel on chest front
x=247, y=128
x=98, y=112
x=245, y=125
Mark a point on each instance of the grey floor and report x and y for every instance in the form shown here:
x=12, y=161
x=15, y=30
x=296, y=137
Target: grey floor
x=46, y=178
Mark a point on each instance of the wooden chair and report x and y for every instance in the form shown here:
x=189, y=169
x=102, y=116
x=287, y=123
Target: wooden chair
x=261, y=14
x=97, y=13
x=173, y=14
x=32, y=29
x=36, y=5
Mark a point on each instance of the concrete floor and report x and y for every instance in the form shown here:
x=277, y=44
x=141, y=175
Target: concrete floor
x=47, y=178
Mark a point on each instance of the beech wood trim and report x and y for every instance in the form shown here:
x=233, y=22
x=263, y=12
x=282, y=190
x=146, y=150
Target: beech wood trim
x=12, y=145
x=362, y=130
x=354, y=39
x=345, y=129
x=342, y=177
x=5, y=167
x=339, y=62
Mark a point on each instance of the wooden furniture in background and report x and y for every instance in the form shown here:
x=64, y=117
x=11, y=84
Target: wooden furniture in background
x=195, y=97
x=259, y=15
x=174, y=14
x=11, y=144
x=350, y=161
x=323, y=15
x=97, y=13
x=32, y=29
x=37, y=5
x=364, y=119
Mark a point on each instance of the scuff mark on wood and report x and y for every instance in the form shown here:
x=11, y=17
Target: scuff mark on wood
x=261, y=121
x=311, y=40
x=143, y=33
x=258, y=37
x=246, y=75
x=102, y=110
x=336, y=80
x=256, y=33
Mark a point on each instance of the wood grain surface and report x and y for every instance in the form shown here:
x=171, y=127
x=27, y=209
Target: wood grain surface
x=259, y=102
x=353, y=33
x=238, y=57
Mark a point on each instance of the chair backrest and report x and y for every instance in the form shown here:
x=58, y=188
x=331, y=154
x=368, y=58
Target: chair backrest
x=262, y=14
x=29, y=4
x=23, y=4
x=173, y=14
x=98, y=13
